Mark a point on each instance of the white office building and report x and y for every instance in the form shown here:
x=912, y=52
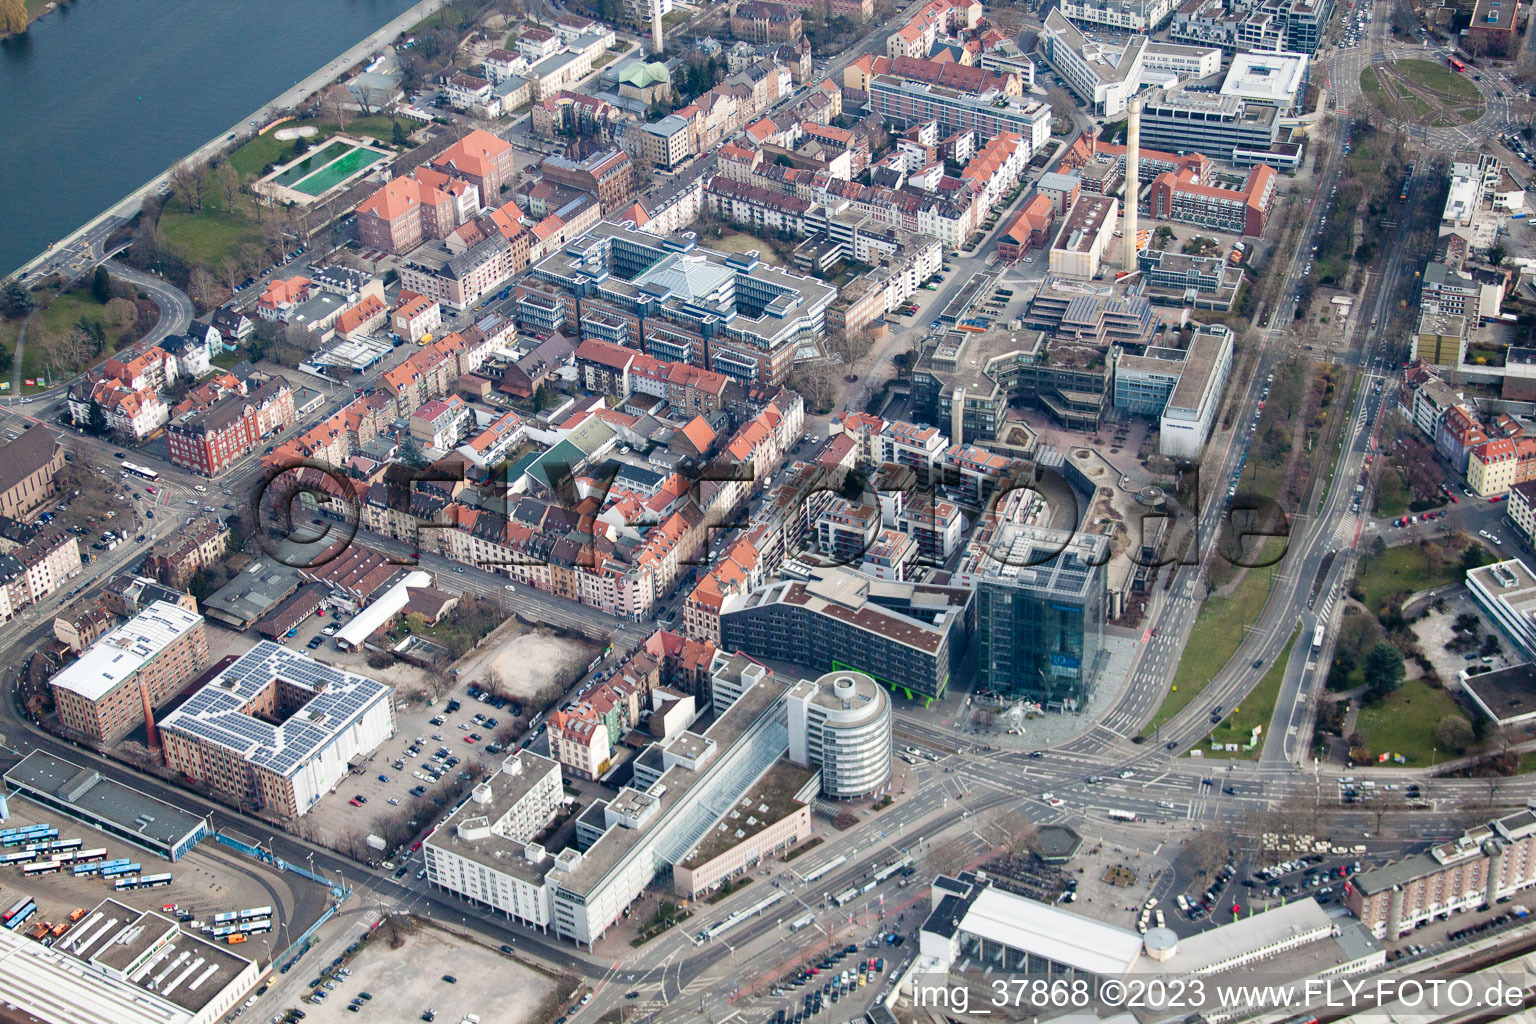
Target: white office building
x=1104, y=77
x=1192, y=408
x=485, y=853
x=1268, y=79
x=1507, y=592
x=842, y=722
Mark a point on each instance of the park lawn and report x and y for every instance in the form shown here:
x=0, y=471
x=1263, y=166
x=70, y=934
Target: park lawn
x=1401, y=570
x=1216, y=636
x=1405, y=722
x=1437, y=77
x=1256, y=709
x=230, y=358
x=740, y=241
x=1371, y=85
x=207, y=236
x=1391, y=494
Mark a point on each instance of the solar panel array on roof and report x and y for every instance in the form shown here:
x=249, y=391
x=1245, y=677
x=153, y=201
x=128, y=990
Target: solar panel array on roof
x=216, y=713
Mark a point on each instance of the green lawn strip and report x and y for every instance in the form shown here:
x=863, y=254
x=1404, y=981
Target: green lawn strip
x=1401, y=571
x=1370, y=84
x=1391, y=494
x=1405, y=722
x=1255, y=710
x=1437, y=77
x=1217, y=634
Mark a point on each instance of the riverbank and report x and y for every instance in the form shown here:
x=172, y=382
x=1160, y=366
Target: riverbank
x=82, y=247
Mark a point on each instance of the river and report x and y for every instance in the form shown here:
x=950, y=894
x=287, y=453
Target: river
x=99, y=96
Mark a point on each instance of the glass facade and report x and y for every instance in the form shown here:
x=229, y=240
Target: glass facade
x=1040, y=629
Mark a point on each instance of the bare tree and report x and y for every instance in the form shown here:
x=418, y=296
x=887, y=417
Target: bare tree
x=228, y=181
x=203, y=288
x=188, y=182
x=439, y=682
x=336, y=105
x=495, y=683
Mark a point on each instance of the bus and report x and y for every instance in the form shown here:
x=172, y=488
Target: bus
x=81, y=870
x=255, y=927
x=120, y=869
x=24, y=829
x=60, y=846
x=84, y=856
x=125, y=883
x=42, y=867
x=255, y=913
x=18, y=914
x=226, y=918
x=1122, y=815
x=18, y=857
x=143, y=471
x=1317, y=639
x=846, y=896
x=154, y=881
x=26, y=838
x=1456, y=65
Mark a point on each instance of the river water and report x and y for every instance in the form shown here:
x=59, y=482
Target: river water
x=99, y=96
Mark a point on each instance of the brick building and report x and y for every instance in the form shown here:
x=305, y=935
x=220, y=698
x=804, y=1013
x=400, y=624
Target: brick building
x=209, y=440
x=105, y=694
x=608, y=174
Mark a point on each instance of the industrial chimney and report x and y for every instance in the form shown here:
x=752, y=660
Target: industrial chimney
x=658, y=41
x=1132, y=179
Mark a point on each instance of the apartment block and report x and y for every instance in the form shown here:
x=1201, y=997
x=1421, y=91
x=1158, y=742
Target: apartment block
x=209, y=440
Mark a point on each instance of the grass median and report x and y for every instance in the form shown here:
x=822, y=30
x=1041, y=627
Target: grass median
x=1256, y=710
x=1218, y=632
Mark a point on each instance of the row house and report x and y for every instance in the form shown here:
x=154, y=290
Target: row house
x=415, y=317
x=1457, y=434
x=492, y=445
x=362, y=319
x=1501, y=465
x=154, y=369
x=176, y=559
x=35, y=563
x=132, y=412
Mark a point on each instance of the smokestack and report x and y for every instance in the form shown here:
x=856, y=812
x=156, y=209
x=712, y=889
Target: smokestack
x=1132, y=179
x=658, y=42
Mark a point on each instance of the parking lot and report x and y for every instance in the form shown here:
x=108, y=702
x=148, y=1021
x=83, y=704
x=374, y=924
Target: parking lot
x=208, y=881
x=412, y=983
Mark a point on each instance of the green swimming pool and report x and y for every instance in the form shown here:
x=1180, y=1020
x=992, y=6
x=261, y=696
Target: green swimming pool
x=337, y=171
x=310, y=164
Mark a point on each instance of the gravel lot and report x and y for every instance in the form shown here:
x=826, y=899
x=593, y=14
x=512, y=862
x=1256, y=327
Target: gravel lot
x=406, y=982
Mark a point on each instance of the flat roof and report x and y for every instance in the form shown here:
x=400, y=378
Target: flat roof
x=517, y=777
x=1266, y=77
x=770, y=801
x=1057, y=935
x=217, y=713
x=1090, y=215
x=1506, y=693
x=68, y=786
x=1205, y=349
x=118, y=655
x=619, y=842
